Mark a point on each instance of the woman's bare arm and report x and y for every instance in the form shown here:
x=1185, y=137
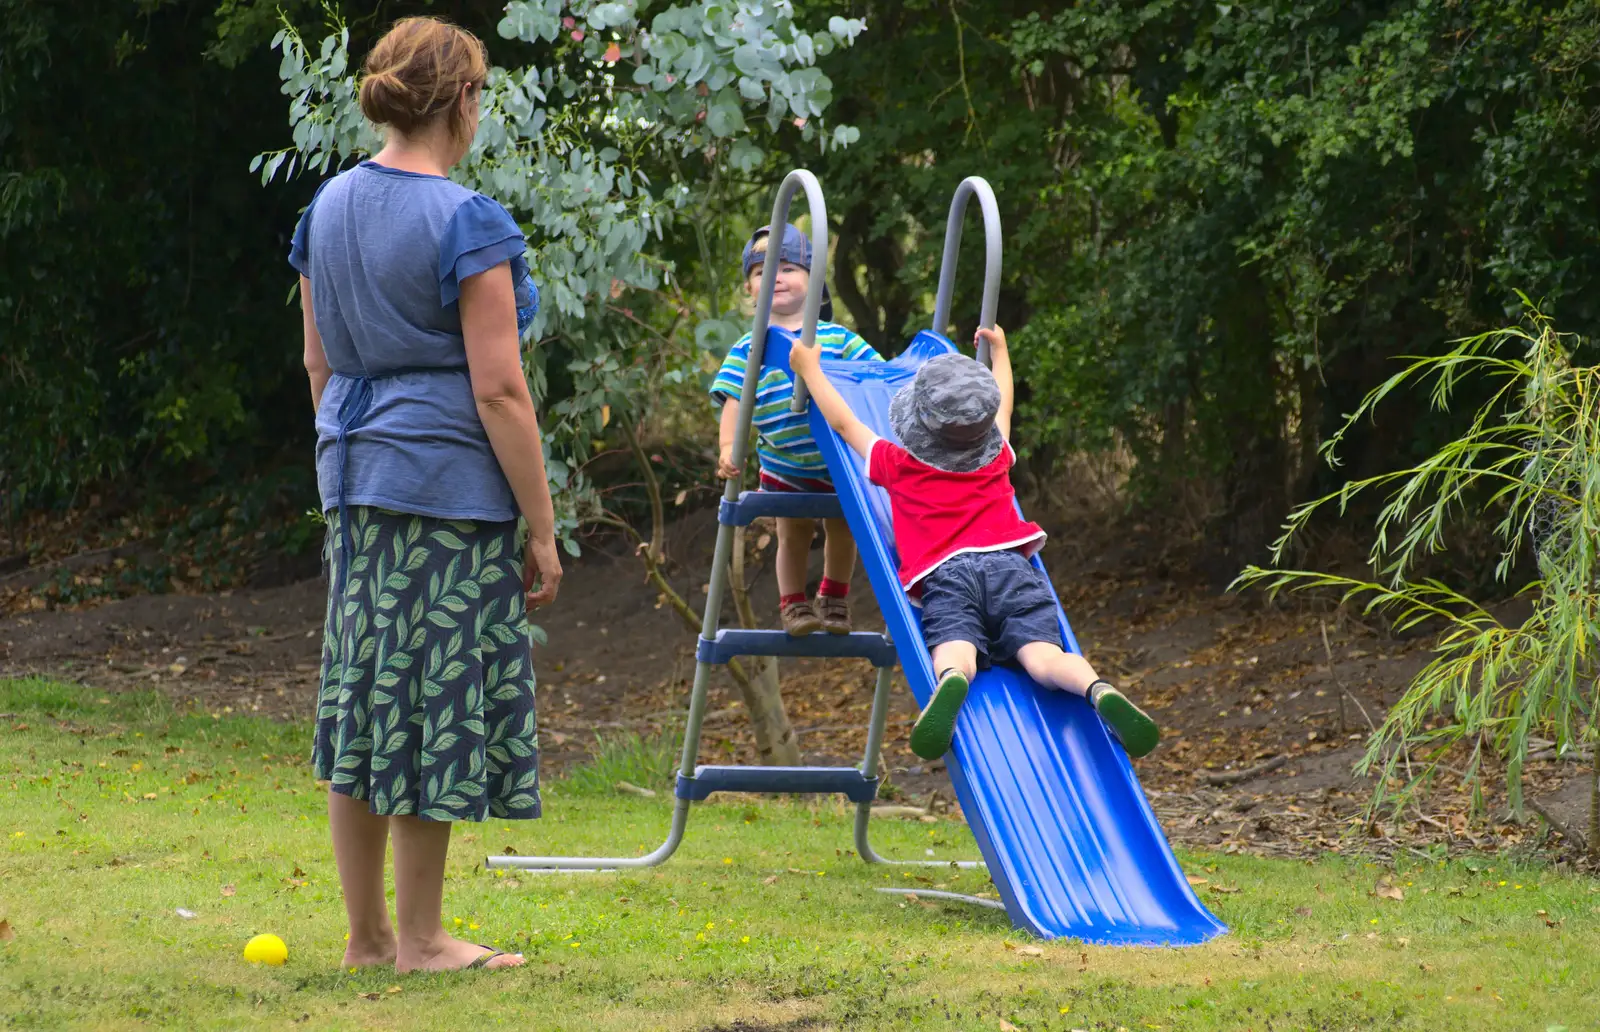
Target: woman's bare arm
x=494, y=361
x=316, y=360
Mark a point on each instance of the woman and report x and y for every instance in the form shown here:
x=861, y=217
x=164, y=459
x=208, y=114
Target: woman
x=415, y=291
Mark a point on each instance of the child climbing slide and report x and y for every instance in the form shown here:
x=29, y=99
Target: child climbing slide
x=963, y=546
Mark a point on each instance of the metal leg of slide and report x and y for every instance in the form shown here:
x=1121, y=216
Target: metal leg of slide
x=686, y=765
x=680, y=811
x=869, y=767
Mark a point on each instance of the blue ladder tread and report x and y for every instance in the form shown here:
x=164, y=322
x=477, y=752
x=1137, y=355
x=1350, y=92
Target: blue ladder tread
x=731, y=642
x=752, y=505
x=847, y=781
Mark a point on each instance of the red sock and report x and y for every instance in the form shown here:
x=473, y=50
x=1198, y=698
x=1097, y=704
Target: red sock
x=784, y=600
x=834, y=589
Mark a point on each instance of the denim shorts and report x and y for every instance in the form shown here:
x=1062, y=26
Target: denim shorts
x=997, y=600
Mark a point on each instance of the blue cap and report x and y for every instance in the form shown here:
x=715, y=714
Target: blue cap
x=796, y=250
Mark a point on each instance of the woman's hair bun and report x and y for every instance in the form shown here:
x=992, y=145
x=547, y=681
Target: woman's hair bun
x=417, y=70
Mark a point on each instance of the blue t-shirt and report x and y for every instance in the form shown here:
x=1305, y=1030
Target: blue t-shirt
x=784, y=445
x=386, y=251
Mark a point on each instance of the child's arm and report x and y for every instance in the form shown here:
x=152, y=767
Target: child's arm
x=727, y=431
x=807, y=364
x=1000, y=366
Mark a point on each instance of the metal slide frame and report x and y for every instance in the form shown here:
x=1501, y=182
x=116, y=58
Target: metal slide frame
x=716, y=646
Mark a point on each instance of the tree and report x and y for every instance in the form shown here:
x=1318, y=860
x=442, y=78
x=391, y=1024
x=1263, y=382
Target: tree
x=1529, y=461
x=1260, y=203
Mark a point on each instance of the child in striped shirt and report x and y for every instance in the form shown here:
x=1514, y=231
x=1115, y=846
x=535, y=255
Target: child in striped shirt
x=787, y=453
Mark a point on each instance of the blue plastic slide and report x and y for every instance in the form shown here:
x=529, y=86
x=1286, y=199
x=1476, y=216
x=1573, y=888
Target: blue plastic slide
x=1070, y=841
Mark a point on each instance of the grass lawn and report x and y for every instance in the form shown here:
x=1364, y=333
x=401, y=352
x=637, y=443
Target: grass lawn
x=117, y=812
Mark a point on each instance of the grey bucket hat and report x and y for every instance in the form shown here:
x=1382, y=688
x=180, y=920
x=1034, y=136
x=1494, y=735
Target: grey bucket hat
x=945, y=417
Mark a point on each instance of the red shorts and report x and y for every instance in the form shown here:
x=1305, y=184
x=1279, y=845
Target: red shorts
x=805, y=485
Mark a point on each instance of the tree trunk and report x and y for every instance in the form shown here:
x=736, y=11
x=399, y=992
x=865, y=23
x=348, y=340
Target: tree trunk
x=776, y=743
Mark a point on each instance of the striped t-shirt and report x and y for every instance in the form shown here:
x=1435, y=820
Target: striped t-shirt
x=785, y=446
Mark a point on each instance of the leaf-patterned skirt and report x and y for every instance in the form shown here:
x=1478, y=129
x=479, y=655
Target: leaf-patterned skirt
x=427, y=699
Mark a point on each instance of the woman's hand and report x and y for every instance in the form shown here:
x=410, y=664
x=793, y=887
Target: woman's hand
x=541, y=565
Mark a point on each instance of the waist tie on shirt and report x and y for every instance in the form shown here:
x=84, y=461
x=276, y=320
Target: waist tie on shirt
x=353, y=412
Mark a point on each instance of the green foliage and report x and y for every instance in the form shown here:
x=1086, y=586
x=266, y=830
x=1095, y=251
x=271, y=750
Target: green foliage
x=140, y=337
x=644, y=761
x=1259, y=203
x=1529, y=461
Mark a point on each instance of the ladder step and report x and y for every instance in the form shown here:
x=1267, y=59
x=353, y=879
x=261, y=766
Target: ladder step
x=790, y=780
x=755, y=504
x=731, y=642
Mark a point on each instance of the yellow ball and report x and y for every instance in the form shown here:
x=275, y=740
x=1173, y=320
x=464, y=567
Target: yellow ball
x=266, y=949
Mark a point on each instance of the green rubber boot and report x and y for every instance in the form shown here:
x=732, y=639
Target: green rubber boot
x=931, y=735
x=1132, y=725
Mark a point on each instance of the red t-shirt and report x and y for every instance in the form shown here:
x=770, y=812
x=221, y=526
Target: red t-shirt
x=938, y=514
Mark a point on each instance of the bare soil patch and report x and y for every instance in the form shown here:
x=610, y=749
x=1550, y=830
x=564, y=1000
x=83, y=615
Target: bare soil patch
x=1263, y=716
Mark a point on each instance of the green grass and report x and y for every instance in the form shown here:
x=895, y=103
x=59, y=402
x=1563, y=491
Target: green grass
x=115, y=812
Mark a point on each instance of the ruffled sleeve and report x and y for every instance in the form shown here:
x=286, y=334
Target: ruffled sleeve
x=300, y=244
x=480, y=235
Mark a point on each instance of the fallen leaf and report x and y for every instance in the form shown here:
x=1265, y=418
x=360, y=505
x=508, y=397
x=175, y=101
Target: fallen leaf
x=1196, y=881
x=297, y=872
x=392, y=989
x=1386, y=889
x=1225, y=889
x=1008, y=944
x=7, y=933
x=1425, y=967
x=368, y=996
x=1402, y=942
x=1030, y=951
x=769, y=881
x=1302, y=911
x=185, y=914
x=1006, y=1026
x=228, y=890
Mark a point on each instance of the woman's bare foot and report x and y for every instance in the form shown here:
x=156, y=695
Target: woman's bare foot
x=449, y=954
x=369, y=954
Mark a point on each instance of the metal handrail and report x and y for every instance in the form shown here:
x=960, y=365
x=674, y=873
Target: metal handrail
x=769, y=278
x=952, y=249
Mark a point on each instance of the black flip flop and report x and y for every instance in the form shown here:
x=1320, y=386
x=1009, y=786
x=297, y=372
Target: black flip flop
x=485, y=958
